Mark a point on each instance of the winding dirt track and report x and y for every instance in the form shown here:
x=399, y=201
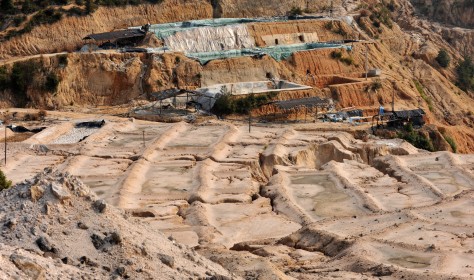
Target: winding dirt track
x=280, y=201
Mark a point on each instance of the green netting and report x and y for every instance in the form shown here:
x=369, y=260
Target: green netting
x=277, y=52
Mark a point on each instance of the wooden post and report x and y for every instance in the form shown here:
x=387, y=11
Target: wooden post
x=143, y=138
x=305, y=113
x=5, y=125
x=250, y=120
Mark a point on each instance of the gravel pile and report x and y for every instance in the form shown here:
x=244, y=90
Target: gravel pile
x=53, y=227
x=74, y=135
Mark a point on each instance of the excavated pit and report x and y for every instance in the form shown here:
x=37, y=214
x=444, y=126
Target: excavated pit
x=285, y=197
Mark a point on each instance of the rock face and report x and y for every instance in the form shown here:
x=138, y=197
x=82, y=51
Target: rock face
x=455, y=12
x=110, y=245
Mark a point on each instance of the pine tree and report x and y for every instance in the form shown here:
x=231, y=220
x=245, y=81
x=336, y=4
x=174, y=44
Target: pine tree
x=443, y=58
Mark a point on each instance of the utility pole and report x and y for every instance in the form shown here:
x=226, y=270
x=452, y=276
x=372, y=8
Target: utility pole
x=5, y=125
x=393, y=99
x=250, y=119
x=331, y=9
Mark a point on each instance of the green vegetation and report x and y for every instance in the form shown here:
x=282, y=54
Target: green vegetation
x=381, y=14
x=4, y=78
x=376, y=85
x=443, y=58
x=52, y=82
x=7, y=6
x=295, y=11
x=451, y=142
x=21, y=77
x=338, y=55
x=62, y=60
x=427, y=99
x=50, y=11
x=465, y=73
x=4, y=182
x=415, y=138
x=336, y=28
x=229, y=104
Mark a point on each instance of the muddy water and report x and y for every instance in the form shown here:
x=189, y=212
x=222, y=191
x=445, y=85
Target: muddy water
x=318, y=195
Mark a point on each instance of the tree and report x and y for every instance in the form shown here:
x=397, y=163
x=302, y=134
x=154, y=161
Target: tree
x=7, y=6
x=4, y=78
x=465, y=72
x=4, y=183
x=443, y=58
x=295, y=11
x=90, y=6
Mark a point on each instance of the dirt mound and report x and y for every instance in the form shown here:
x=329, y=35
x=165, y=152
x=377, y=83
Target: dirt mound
x=53, y=226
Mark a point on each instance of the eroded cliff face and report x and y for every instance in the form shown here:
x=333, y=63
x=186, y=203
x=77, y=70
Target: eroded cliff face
x=67, y=34
x=460, y=39
x=454, y=12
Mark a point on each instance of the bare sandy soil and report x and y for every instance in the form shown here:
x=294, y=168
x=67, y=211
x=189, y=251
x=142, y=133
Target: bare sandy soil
x=279, y=202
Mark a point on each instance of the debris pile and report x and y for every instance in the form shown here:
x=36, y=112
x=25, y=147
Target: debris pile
x=53, y=226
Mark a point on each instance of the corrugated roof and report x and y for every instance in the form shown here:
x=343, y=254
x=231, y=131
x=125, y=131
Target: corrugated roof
x=409, y=113
x=114, y=35
x=308, y=102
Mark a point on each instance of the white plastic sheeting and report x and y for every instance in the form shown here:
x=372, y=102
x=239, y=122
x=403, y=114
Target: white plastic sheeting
x=209, y=39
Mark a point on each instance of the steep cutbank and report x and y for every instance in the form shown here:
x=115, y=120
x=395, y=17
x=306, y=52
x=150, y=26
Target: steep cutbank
x=67, y=34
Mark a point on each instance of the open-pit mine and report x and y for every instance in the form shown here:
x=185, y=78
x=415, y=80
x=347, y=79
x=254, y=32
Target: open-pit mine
x=216, y=140
x=303, y=201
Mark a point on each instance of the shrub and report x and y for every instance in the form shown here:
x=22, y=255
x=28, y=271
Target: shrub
x=18, y=20
x=22, y=76
x=427, y=99
x=376, y=85
x=46, y=16
x=465, y=73
x=443, y=58
x=364, y=13
x=328, y=25
x=7, y=6
x=62, y=60
x=228, y=104
x=451, y=143
x=415, y=138
x=347, y=60
x=4, y=182
x=336, y=54
x=42, y=114
x=295, y=11
x=4, y=78
x=52, y=82
x=91, y=6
